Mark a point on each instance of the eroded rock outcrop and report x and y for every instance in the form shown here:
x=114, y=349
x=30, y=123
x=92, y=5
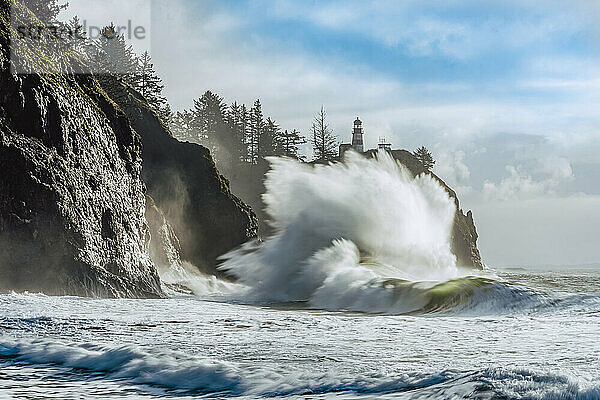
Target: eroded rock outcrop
x=195, y=198
x=71, y=195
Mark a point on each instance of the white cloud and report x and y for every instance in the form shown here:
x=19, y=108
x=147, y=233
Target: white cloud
x=425, y=31
x=517, y=185
x=521, y=185
x=559, y=168
x=450, y=166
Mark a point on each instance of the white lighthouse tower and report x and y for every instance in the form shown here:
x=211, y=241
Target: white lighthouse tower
x=357, y=136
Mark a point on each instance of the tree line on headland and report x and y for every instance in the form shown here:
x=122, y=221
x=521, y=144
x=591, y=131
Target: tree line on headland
x=236, y=134
x=239, y=137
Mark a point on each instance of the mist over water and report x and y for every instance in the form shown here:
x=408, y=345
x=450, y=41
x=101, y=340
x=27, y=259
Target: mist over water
x=347, y=235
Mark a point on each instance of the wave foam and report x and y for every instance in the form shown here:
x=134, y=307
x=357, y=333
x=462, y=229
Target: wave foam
x=166, y=371
x=185, y=375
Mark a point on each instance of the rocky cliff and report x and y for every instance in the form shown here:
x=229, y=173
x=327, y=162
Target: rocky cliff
x=185, y=184
x=73, y=183
x=71, y=195
x=464, y=234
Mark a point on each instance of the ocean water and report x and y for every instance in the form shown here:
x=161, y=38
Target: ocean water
x=356, y=295
x=527, y=334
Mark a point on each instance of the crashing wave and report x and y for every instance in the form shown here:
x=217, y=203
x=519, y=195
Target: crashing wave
x=344, y=232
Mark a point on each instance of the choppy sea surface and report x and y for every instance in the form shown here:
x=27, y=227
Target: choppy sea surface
x=526, y=334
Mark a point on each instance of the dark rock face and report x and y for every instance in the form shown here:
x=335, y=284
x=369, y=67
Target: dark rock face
x=464, y=234
x=464, y=241
x=185, y=184
x=71, y=197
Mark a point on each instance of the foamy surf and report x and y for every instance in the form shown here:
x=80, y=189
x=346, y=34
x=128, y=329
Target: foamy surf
x=180, y=375
x=173, y=371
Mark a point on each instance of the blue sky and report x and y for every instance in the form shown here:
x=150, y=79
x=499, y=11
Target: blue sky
x=532, y=65
x=505, y=93
x=472, y=43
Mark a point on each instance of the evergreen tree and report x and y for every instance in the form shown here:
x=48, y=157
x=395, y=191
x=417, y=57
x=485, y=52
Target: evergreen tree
x=424, y=157
x=182, y=126
x=325, y=144
x=245, y=131
x=114, y=56
x=149, y=84
x=237, y=119
x=209, y=120
x=268, y=145
x=165, y=114
x=288, y=144
x=116, y=63
x=256, y=129
x=76, y=38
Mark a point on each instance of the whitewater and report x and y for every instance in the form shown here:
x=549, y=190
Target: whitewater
x=355, y=295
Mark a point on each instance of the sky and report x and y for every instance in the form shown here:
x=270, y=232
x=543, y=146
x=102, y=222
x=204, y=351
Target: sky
x=504, y=93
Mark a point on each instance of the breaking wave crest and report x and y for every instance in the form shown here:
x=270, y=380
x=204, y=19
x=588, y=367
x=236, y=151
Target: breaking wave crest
x=179, y=373
x=363, y=235
x=166, y=370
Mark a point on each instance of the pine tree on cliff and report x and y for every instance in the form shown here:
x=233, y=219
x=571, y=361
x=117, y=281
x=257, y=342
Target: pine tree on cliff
x=256, y=129
x=245, y=131
x=424, y=157
x=76, y=39
x=268, y=139
x=324, y=143
x=288, y=144
x=209, y=120
x=237, y=119
x=231, y=147
x=115, y=61
x=182, y=126
x=149, y=84
x=114, y=56
x=165, y=114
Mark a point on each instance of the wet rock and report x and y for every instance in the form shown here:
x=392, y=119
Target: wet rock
x=71, y=196
x=195, y=198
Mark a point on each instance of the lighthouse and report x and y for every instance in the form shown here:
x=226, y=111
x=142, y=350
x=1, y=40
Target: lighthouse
x=357, y=141
x=357, y=136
